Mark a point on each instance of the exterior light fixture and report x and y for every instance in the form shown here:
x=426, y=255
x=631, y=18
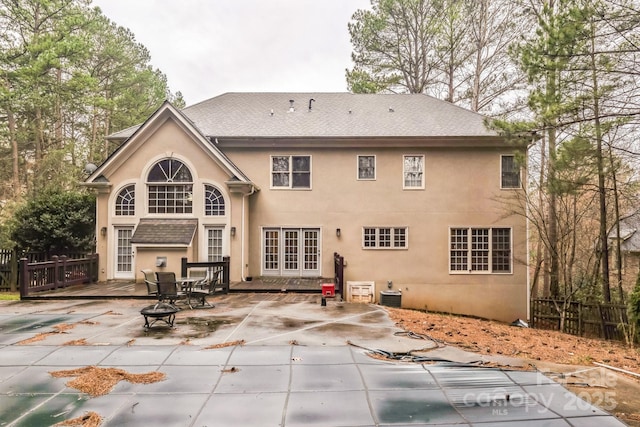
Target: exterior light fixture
x=337, y=232
x=233, y=232
x=103, y=231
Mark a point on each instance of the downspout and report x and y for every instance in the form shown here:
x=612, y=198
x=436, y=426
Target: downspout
x=242, y=244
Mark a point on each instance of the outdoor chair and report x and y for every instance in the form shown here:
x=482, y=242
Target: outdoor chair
x=206, y=287
x=168, y=288
x=151, y=281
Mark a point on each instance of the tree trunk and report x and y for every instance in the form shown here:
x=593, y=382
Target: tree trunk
x=15, y=154
x=604, y=246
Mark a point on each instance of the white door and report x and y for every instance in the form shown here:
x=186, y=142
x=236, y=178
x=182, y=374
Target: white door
x=291, y=252
x=123, y=253
x=215, y=248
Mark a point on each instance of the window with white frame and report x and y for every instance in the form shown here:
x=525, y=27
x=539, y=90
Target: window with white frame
x=509, y=172
x=213, y=201
x=367, y=168
x=413, y=172
x=126, y=201
x=291, y=171
x=480, y=250
x=170, y=188
x=384, y=237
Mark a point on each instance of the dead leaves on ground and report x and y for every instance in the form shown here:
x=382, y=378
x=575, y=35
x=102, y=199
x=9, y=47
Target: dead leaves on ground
x=91, y=419
x=97, y=381
x=225, y=344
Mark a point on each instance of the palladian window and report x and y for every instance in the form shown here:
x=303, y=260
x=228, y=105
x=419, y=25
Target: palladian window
x=170, y=187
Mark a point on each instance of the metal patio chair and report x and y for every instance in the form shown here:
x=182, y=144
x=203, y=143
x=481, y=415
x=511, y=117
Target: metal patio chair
x=151, y=281
x=206, y=287
x=168, y=288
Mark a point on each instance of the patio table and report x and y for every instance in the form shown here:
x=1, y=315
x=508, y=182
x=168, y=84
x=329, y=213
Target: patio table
x=187, y=284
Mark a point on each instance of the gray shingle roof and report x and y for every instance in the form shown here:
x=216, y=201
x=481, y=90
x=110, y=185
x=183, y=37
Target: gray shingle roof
x=332, y=115
x=629, y=228
x=165, y=231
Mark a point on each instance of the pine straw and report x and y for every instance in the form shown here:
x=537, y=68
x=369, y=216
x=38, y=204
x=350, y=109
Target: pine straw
x=495, y=338
x=91, y=419
x=59, y=329
x=100, y=381
x=81, y=341
x=225, y=344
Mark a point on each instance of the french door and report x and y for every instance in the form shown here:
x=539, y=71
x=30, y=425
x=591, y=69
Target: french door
x=291, y=252
x=123, y=253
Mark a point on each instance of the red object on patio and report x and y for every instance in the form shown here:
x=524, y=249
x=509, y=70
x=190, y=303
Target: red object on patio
x=328, y=290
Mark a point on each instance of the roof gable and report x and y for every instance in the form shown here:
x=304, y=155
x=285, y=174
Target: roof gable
x=166, y=112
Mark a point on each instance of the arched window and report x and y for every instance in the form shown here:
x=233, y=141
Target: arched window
x=126, y=201
x=213, y=201
x=170, y=187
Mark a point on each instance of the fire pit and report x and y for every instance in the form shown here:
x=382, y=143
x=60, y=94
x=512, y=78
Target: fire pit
x=160, y=311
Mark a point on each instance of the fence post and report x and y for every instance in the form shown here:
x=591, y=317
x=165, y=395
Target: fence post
x=225, y=273
x=183, y=267
x=24, y=278
x=95, y=266
x=55, y=261
x=63, y=270
x=580, y=325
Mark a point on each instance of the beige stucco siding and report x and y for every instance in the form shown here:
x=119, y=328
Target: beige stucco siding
x=462, y=189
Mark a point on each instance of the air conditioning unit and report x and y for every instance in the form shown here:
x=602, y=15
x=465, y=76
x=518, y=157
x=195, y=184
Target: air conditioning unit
x=360, y=291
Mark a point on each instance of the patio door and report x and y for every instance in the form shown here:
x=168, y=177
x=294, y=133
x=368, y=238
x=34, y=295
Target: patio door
x=291, y=252
x=123, y=253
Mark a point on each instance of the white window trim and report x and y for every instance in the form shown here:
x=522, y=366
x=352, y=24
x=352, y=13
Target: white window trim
x=290, y=187
x=375, y=167
x=481, y=272
x=519, y=187
x=424, y=167
x=386, y=248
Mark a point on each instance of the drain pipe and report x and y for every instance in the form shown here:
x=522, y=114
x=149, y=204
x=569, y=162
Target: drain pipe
x=243, y=228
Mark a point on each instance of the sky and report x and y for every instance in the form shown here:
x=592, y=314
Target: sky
x=210, y=47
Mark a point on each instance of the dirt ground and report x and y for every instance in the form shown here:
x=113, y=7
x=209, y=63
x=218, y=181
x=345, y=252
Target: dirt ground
x=574, y=359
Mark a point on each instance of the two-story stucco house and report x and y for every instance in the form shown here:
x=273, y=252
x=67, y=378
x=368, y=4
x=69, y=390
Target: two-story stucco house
x=407, y=188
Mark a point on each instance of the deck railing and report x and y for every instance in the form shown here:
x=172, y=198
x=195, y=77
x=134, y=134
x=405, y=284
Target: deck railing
x=338, y=266
x=59, y=272
x=215, y=265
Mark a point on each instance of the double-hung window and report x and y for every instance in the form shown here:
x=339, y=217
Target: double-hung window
x=366, y=168
x=509, y=172
x=384, y=237
x=291, y=171
x=413, y=172
x=480, y=250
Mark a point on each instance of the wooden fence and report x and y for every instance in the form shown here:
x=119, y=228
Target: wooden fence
x=59, y=272
x=582, y=319
x=8, y=271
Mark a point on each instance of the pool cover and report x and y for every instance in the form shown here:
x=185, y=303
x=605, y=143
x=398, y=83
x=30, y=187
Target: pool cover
x=280, y=385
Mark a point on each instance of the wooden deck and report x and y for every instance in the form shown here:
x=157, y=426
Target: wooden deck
x=130, y=289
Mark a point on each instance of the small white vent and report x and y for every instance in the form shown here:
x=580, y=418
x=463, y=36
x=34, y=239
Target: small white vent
x=360, y=291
